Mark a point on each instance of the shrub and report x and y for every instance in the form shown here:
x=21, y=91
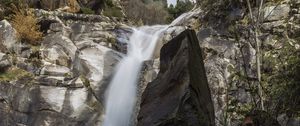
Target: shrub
x=112, y=12
x=24, y=21
x=86, y=10
x=151, y=13
x=180, y=8
x=109, y=3
x=282, y=76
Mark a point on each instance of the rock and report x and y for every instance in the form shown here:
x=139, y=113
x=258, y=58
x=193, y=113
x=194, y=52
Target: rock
x=58, y=49
x=271, y=26
x=47, y=105
x=183, y=89
x=54, y=70
x=52, y=97
x=4, y=62
x=63, y=5
x=8, y=36
x=15, y=101
x=96, y=64
x=223, y=58
x=275, y=13
x=296, y=2
x=170, y=33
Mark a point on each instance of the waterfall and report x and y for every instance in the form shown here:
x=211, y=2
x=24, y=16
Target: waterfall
x=121, y=93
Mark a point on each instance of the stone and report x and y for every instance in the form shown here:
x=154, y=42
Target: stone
x=4, y=62
x=275, y=13
x=54, y=70
x=96, y=64
x=8, y=37
x=182, y=86
x=58, y=46
x=52, y=98
x=296, y=2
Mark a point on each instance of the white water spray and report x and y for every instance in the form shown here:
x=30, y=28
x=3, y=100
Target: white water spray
x=121, y=93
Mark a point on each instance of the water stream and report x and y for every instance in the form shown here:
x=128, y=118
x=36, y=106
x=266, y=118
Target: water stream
x=121, y=93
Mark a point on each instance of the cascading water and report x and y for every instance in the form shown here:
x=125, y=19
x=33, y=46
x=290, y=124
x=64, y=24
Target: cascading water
x=121, y=93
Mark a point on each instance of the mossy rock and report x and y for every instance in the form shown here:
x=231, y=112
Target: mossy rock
x=15, y=73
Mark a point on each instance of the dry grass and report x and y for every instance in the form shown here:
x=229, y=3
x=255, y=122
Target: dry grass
x=25, y=22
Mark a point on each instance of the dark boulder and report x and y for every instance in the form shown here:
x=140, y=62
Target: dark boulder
x=180, y=95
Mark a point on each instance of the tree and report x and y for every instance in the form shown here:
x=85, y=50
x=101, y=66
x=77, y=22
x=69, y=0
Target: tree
x=255, y=24
x=180, y=8
x=151, y=13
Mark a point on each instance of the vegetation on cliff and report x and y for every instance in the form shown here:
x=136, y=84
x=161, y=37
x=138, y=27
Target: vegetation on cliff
x=25, y=22
x=270, y=27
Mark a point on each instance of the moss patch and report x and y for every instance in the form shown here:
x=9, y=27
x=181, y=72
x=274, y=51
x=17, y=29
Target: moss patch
x=86, y=10
x=113, y=12
x=14, y=73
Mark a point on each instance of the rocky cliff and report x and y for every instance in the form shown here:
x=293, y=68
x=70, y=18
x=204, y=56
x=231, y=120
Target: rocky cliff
x=67, y=73
x=62, y=81
x=226, y=35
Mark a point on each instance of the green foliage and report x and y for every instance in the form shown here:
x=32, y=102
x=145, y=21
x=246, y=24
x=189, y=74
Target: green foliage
x=180, y=8
x=111, y=40
x=86, y=10
x=282, y=79
x=109, y=3
x=112, y=12
x=14, y=73
x=150, y=13
x=7, y=2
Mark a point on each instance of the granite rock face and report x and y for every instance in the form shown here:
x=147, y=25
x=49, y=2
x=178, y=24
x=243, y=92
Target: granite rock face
x=74, y=64
x=229, y=53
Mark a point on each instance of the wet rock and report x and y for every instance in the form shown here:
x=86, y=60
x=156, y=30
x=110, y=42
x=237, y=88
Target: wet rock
x=182, y=88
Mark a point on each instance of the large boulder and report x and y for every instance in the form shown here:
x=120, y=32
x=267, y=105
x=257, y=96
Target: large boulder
x=180, y=94
x=8, y=36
